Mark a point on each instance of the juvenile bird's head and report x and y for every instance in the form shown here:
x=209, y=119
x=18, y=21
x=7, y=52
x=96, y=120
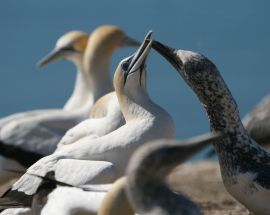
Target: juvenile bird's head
x=71, y=46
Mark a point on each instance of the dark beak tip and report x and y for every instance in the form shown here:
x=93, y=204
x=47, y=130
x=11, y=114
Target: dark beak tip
x=39, y=65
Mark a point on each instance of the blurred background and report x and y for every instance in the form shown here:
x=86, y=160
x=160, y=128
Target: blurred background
x=233, y=34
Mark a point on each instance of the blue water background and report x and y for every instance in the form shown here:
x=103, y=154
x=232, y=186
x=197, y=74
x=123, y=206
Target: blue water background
x=234, y=34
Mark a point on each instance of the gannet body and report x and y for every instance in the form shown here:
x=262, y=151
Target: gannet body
x=105, y=117
x=40, y=131
x=245, y=165
x=145, y=121
x=69, y=200
x=64, y=199
x=17, y=211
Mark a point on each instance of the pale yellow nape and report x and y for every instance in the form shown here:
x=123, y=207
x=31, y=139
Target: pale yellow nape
x=116, y=201
x=77, y=39
x=106, y=38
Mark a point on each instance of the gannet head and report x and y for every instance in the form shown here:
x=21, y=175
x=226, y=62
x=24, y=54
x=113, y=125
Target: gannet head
x=130, y=74
x=195, y=68
x=103, y=42
x=71, y=46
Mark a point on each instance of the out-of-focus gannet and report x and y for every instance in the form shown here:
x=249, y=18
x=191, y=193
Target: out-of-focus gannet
x=257, y=122
x=148, y=168
x=142, y=176
x=71, y=200
x=245, y=165
x=145, y=121
x=26, y=137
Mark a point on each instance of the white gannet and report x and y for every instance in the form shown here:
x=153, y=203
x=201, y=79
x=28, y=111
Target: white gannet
x=28, y=136
x=94, y=200
x=147, y=169
x=145, y=121
x=105, y=115
x=245, y=165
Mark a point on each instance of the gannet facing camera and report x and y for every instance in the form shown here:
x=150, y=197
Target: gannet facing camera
x=108, y=155
x=26, y=137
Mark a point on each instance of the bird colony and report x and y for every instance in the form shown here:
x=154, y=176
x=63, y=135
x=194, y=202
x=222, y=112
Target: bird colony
x=109, y=150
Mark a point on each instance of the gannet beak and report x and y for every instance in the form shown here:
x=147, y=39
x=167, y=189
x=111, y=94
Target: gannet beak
x=139, y=58
x=55, y=55
x=127, y=41
x=193, y=145
x=168, y=53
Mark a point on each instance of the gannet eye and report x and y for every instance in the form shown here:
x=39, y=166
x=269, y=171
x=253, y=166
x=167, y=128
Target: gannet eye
x=125, y=65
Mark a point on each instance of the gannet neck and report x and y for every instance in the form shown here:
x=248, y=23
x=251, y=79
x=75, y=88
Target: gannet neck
x=147, y=170
x=133, y=98
x=204, y=78
x=97, y=68
x=82, y=95
x=102, y=44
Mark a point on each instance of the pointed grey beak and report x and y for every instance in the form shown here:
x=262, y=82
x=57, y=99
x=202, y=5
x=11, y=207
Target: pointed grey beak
x=139, y=58
x=127, y=41
x=56, y=54
x=168, y=53
x=194, y=145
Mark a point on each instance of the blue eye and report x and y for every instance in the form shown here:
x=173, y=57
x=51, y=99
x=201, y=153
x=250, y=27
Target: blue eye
x=125, y=65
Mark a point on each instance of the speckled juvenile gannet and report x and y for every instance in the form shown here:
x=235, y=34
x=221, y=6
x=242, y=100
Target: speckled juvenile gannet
x=145, y=121
x=245, y=165
x=40, y=131
x=146, y=188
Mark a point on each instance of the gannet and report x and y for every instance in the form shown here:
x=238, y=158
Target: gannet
x=111, y=199
x=105, y=115
x=28, y=136
x=147, y=169
x=108, y=154
x=245, y=165
x=70, y=200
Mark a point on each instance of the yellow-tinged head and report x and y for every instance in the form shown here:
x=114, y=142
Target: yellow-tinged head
x=104, y=41
x=131, y=72
x=70, y=46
